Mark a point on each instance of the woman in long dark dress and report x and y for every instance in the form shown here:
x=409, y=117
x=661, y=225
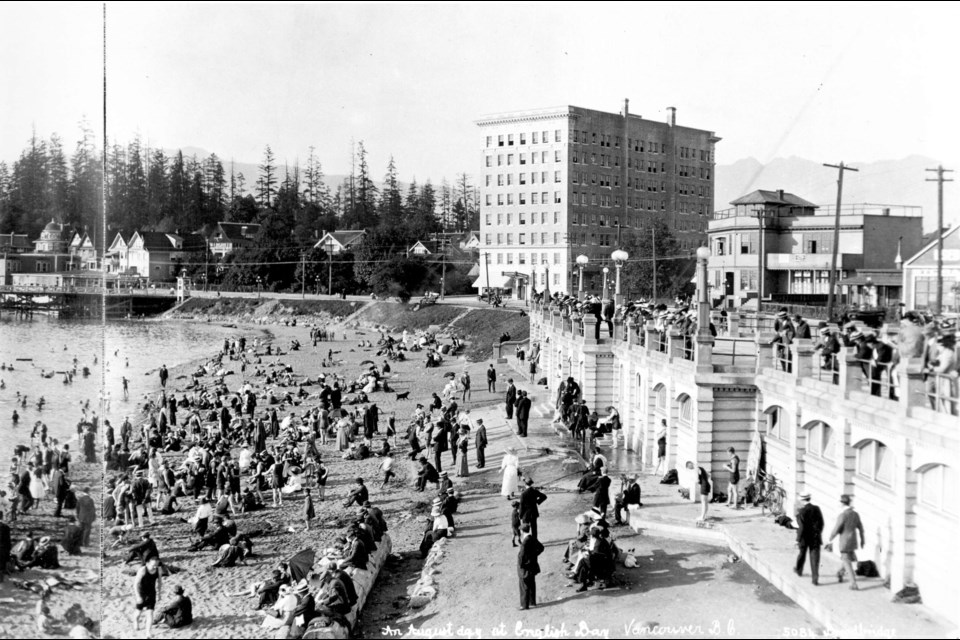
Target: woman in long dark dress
x=463, y=469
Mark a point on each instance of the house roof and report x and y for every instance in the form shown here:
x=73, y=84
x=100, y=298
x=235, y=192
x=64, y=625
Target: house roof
x=234, y=230
x=15, y=241
x=930, y=245
x=157, y=241
x=763, y=196
x=344, y=238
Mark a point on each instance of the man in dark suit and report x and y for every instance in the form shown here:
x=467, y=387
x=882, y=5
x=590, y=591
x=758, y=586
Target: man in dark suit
x=530, y=501
x=511, y=398
x=630, y=495
x=5, y=547
x=480, y=441
x=59, y=485
x=523, y=414
x=492, y=379
x=528, y=567
x=439, y=446
x=882, y=357
x=809, y=536
x=427, y=473
x=848, y=524
x=601, y=496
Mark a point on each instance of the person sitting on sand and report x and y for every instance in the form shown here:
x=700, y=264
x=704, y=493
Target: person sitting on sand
x=359, y=495
x=143, y=551
x=250, y=502
x=178, y=613
x=230, y=554
x=72, y=537
x=46, y=555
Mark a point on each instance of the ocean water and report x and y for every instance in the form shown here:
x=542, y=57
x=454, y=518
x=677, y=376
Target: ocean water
x=131, y=349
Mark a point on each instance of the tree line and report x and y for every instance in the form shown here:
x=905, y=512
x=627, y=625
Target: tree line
x=151, y=189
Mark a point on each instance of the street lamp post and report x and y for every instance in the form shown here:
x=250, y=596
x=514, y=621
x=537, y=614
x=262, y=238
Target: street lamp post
x=619, y=257
x=703, y=306
x=533, y=281
x=606, y=291
x=259, y=285
x=546, y=287
x=317, y=284
x=582, y=261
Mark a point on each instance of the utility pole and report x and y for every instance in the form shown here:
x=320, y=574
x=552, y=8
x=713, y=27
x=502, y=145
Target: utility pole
x=303, y=274
x=836, y=236
x=443, y=272
x=486, y=261
x=653, y=247
x=329, y=269
x=938, y=309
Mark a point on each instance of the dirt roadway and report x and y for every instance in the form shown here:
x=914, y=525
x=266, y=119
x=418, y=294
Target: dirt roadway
x=680, y=589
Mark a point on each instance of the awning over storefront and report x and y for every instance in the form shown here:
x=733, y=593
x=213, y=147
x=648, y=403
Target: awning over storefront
x=497, y=281
x=880, y=280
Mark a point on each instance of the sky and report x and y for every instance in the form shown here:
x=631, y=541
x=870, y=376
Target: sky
x=825, y=82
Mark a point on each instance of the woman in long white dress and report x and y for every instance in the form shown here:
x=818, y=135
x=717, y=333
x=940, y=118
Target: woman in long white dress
x=509, y=466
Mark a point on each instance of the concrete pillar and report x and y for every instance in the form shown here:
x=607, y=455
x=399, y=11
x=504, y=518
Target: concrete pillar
x=901, y=551
x=589, y=329
x=733, y=323
x=803, y=353
x=764, y=342
x=651, y=335
x=851, y=375
x=704, y=354
x=675, y=344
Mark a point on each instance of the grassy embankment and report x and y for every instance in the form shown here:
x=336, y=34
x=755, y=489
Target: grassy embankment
x=479, y=327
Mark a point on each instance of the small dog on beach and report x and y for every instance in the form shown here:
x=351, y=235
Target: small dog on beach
x=403, y=396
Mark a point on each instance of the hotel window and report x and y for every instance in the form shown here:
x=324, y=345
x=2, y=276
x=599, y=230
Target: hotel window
x=523, y=200
x=523, y=138
x=523, y=178
x=499, y=238
x=509, y=258
x=938, y=488
x=820, y=441
x=556, y=176
x=509, y=239
x=509, y=179
x=556, y=135
x=556, y=237
x=533, y=178
x=499, y=258
x=499, y=159
x=576, y=157
x=543, y=177
x=509, y=159
x=488, y=217
x=533, y=238
x=509, y=139
x=543, y=217
x=500, y=140
x=556, y=217
x=593, y=137
x=487, y=238
x=543, y=237
x=500, y=180
x=509, y=218
x=556, y=258
x=522, y=215
x=533, y=137
x=487, y=178
x=489, y=199
x=545, y=137
x=489, y=141
x=500, y=199
x=533, y=198
x=499, y=218
x=875, y=462
x=543, y=157
x=489, y=161
x=523, y=238
x=523, y=158
x=509, y=199
x=533, y=158
x=522, y=257
x=556, y=278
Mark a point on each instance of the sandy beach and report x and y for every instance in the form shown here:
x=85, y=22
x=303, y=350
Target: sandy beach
x=280, y=532
x=18, y=606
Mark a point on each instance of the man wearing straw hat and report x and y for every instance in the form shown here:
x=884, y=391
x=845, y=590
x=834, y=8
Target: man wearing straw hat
x=530, y=501
x=809, y=536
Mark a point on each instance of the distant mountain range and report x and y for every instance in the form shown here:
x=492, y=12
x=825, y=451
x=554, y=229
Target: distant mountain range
x=896, y=182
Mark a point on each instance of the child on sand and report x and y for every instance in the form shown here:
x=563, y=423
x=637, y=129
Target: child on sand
x=387, y=467
x=308, y=511
x=515, y=522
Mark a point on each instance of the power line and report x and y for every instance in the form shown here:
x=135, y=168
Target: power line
x=939, y=180
x=836, y=235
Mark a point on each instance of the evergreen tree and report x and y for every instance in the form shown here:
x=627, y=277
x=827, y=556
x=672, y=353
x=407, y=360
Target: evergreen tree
x=179, y=191
x=158, y=187
x=136, y=212
x=58, y=185
x=391, y=203
x=673, y=268
x=267, y=182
